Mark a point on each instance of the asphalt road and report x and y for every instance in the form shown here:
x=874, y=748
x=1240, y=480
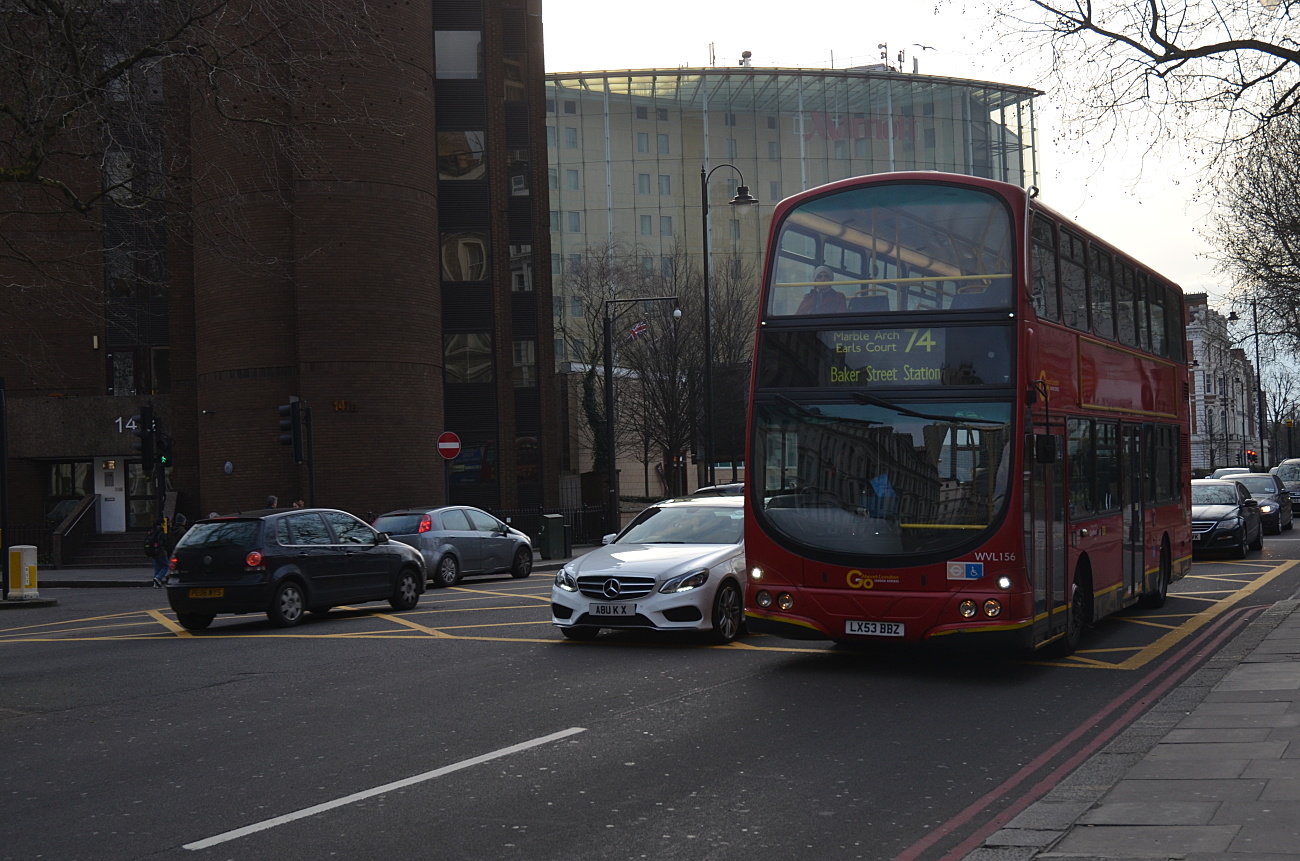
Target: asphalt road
x=469, y=729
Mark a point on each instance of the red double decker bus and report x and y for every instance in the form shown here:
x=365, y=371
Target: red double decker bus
x=968, y=420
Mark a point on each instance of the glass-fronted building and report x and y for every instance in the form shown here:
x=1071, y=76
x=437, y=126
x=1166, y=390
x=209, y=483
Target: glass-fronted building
x=626, y=148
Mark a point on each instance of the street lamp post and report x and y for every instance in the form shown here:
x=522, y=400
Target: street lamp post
x=611, y=456
x=1259, y=386
x=743, y=200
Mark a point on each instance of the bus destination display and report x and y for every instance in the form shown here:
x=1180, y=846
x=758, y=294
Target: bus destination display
x=921, y=356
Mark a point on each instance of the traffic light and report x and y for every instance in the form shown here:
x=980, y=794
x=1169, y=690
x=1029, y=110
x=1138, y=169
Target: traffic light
x=291, y=427
x=163, y=446
x=145, y=437
x=1250, y=455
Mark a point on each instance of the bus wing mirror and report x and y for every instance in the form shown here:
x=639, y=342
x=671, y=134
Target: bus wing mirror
x=1044, y=448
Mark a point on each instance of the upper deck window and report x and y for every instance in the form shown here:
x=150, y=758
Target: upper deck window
x=899, y=247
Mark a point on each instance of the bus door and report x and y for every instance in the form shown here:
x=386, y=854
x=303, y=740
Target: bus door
x=1131, y=496
x=1045, y=526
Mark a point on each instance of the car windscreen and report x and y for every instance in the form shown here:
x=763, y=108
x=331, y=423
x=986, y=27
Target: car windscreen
x=690, y=524
x=243, y=534
x=1289, y=472
x=399, y=524
x=1258, y=483
x=1209, y=494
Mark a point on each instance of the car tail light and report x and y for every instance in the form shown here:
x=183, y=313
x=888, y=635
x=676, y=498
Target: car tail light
x=253, y=559
x=171, y=564
x=426, y=524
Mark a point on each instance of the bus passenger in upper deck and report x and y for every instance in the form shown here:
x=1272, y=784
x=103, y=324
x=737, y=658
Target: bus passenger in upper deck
x=822, y=298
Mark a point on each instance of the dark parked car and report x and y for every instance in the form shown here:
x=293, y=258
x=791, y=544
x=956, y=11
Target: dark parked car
x=1274, y=501
x=1225, y=517
x=284, y=562
x=457, y=540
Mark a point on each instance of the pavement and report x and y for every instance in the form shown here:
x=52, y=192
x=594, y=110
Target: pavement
x=1210, y=771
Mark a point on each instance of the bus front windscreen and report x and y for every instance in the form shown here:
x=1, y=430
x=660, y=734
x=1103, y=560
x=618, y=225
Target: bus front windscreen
x=909, y=247
x=877, y=477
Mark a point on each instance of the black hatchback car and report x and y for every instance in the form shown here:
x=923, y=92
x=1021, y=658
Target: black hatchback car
x=285, y=563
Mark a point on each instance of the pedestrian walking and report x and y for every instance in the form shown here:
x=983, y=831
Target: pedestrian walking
x=155, y=547
x=272, y=502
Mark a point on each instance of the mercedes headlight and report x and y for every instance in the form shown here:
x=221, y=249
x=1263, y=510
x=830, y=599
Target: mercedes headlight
x=686, y=582
x=566, y=579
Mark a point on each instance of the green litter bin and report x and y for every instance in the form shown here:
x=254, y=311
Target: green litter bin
x=552, y=537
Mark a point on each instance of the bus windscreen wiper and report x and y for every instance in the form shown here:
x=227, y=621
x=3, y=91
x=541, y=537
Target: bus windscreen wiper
x=872, y=400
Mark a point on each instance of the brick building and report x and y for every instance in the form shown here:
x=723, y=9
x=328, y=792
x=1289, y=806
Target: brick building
x=382, y=272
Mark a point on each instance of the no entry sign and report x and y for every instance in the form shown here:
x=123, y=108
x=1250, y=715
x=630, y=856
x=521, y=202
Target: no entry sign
x=448, y=445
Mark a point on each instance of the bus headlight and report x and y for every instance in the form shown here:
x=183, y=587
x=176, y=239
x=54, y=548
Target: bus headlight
x=755, y=573
x=763, y=599
x=992, y=607
x=784, y=601
x=1004, y=583
x=967, y=608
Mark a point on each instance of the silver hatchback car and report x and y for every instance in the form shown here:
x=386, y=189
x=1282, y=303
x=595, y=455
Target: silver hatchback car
x=457, y=540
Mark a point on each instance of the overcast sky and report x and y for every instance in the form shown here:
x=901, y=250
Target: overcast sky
x=1143, y=206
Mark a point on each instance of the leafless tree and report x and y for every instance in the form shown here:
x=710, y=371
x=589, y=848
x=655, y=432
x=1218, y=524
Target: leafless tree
x=1258, y=231
x=1213, y=70
x=1281, y=383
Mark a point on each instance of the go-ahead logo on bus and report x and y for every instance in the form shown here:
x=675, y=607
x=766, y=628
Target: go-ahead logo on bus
x=965, y=570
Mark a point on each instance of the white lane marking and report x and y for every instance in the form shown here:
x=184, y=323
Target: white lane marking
x=379, y=790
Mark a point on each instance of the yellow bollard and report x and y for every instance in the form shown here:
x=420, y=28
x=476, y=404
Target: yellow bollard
x=22, y=572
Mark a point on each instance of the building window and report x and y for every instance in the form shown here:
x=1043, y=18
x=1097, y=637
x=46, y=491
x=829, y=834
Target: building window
x=648, y=264
x=662, y=114
x=646, y=226
x=123, y=364
x=525, y=364
x=665, y=185
x=555, y=221
x=570, y=106
x=643, y=183
x=467, y=357
x=464, y=255
x=735, y=228
x=643, y=142
x=550, y=106
x=665, y=225
x=551, y=138
x=667, y=267
x=521, y=268
x=553, y=178
x=773, y=150
x=663, y=144
x=771, y=123
x=642, y=113
x=728, y=119
x=570, y=137
x=774, y=190
x=571, y=180
x=576, y=308
x=557, y=263
x=457, y=54
x=574, y=222
x=732, y=148
x=461, y=155
x=575, y=260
